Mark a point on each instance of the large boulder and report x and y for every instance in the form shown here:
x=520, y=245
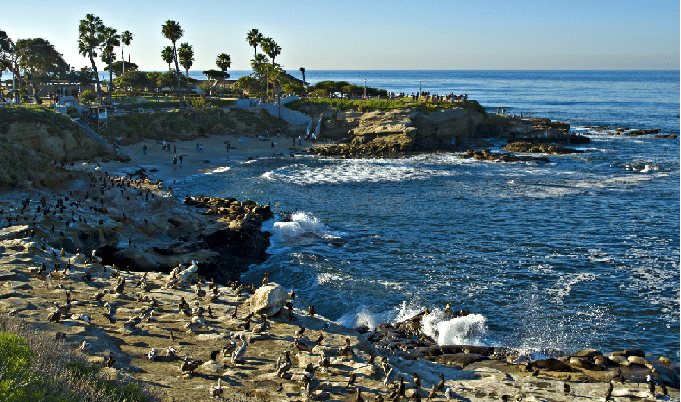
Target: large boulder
x=268, y=299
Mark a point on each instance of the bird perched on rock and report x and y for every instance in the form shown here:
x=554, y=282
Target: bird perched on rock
x=432, y=394
x=201, y=293
x=351, y=380
x=311, y=310
x=84, y=346
x=618, y=375
x=216, y=391
x=55, y=315
x=320, y=338
x=193, y=326
x=189, y=365
x=388, y=375
x=441, y=384
x=284, y=366
x=448, y=393
x=324, y=362
x=234, y=313
x=301, y=346
x=59, y=336
x=358, y=395
x=110, y=361
x=346, y=350
x=400, y=388
x=264, y=325
x=120, y=286
x=171, y=352
x=152, y=353
x=566, y=388
x=651, y=385
x=292, y=295
x=417, y=380
x=240, y=353
x=98, y=296
x=265, y=279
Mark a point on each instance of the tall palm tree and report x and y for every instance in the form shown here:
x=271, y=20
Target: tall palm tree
x=111, y=40
x=270, y=47
x=168, y=55
x=302, y=70
x=186, y=55
x=223, y=61
x=126, y=38
x=90, y=37
x=254, y=38
x=259, y=65
x=172, y=30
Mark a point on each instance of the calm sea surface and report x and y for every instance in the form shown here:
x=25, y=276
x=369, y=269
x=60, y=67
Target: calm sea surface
x=581, y=252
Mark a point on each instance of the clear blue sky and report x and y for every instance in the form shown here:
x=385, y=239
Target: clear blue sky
x=377, y=35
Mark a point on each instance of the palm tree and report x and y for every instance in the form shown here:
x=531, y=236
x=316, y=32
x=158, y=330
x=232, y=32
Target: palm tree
x=302, y=70
x=254, y=38
x=111, y=40
x=126, y=38
x=270, y=47
x=168, y=55
x=172, y=30
x=259, y=65
x=186, y=56
x=223, y=61
x=90, y=37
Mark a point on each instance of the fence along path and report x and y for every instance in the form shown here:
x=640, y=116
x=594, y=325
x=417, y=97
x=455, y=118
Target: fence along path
x=91, y=134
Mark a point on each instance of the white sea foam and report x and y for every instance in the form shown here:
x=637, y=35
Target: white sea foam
x=303, y=226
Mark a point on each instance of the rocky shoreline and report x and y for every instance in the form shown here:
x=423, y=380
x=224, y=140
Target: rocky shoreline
x=137, y=317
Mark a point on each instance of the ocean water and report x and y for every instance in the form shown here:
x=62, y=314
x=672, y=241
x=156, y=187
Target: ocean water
x=582, y=252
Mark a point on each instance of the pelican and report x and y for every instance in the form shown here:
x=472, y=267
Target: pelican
x=239, y=354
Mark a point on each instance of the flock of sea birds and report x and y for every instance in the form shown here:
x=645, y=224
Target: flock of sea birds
x=236, y=350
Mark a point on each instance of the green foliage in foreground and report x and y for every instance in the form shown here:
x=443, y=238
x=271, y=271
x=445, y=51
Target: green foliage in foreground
x=20, y=382
x=384, y=105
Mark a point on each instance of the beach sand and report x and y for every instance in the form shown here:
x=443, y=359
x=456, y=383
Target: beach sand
x=214, y=155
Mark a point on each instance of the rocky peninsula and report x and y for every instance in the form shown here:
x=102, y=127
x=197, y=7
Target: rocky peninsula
x=144, y=282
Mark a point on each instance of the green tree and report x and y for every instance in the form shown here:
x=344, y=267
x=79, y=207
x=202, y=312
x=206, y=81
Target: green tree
x=254, y=38
x=15, y=358
x=168, y=55
x=186, y=56
x=6, y=47
x=126, y=38
x=292, y=88
x=111, y=40
x=135, y=80
x=87, y=96
x=117, y=67
x=271, y=49
x=155, y=80
x=39, y=61
x=90, y=37
x=247, y=84
x=171, y=30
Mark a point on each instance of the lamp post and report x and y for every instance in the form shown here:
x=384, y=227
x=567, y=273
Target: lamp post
x=365, y=89
x=419, y=97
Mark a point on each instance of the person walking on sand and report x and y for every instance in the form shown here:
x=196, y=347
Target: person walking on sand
x=181, y=160
x=144, y=150
x=175, y=148
x=164, y=144
x=174, y=162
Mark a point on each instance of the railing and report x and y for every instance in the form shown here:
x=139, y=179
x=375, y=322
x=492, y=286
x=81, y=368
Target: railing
x=91, y=134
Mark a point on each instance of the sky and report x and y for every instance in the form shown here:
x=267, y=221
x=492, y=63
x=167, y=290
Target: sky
x=376, y=35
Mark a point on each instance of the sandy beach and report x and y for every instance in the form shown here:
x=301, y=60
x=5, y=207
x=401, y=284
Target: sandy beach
x=214, y=154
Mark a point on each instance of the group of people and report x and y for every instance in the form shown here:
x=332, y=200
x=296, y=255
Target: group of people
x=451, y=98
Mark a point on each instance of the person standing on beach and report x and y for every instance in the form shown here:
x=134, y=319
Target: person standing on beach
x=144, y=150
x=164, y=145
x=180, y=160
x=174, y=162
x=175, y=148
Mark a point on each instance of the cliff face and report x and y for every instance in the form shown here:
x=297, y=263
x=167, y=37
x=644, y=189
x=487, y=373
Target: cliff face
x=408, y=130
x=35, y=141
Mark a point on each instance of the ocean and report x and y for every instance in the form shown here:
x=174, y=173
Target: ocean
x=582, y=252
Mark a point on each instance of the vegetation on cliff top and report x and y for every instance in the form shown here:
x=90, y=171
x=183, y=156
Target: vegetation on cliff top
x=189, y=124
x=34, y=368
x=383, y=105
